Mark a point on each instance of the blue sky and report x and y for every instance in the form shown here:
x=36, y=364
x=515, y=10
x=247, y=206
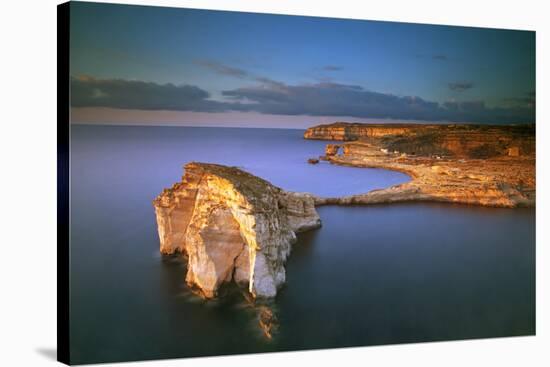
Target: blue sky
x=126, y=59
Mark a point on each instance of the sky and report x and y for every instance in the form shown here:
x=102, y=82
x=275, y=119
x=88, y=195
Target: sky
x=173, y=66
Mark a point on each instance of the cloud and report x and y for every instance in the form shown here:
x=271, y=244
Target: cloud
x=529, y=100
x=466, y=106
x=460, y=86
x=440, y=57
x=268, y=96
x=223, y=69
x=327, y=98
x=333, y=99
x=87, y=91
x=477, y=111
x=332, y=68
x=437, y=57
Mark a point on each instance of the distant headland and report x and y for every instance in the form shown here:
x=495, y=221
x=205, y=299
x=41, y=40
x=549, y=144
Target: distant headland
x=490, y=165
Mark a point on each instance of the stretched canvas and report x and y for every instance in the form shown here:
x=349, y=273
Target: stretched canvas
x=236, y=182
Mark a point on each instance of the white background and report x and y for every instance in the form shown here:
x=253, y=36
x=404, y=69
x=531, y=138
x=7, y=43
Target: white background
x=28, y=182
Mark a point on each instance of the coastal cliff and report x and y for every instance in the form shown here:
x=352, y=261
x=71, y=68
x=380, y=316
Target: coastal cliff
x=458, y=140
x=232, y=226
x=467, y=164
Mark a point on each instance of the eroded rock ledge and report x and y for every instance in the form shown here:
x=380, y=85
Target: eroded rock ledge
x=465, y=140
x=467, y=164
x=232, y=226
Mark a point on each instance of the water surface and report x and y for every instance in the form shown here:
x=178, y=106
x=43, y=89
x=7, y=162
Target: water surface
x=370, y=275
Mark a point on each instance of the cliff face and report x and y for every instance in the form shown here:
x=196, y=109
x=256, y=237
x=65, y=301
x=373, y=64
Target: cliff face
x=504, y=181
x=232, y=226
x=492, y=165
x=474, y=141
x=345, y=131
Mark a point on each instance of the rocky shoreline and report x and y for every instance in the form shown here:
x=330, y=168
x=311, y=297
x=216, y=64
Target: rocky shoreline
x=465, y=164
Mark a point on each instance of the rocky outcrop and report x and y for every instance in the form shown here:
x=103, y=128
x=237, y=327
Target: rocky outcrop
x=232, y=226
x=313, y=161
x=458, y=140
x=491, y=165
x=332, y=149
x=503, y=181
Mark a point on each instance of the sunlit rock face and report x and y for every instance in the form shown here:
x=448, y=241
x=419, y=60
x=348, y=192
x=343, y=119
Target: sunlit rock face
x=232, y=226
x=501, y=181
x=458, y=140
x=331, y=149
x=345, y=131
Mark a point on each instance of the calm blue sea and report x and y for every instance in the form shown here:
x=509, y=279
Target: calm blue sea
x=371, y=275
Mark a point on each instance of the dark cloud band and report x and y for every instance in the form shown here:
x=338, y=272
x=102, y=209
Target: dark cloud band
x=272, y=97
x=460, y=86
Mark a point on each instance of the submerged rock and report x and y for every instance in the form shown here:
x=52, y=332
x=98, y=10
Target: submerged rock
x=233, y=226
x=312, y=161
x=268, y=321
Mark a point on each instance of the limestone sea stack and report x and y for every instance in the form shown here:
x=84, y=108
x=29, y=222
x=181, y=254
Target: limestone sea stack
x=232, y=226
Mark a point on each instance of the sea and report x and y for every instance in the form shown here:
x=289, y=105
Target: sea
x=371, y=275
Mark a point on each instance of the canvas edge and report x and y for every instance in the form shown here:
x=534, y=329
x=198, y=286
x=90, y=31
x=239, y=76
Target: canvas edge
x=63, y=194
